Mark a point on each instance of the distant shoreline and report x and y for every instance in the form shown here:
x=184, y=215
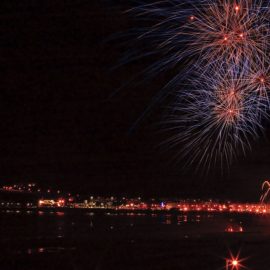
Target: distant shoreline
x=124, y=211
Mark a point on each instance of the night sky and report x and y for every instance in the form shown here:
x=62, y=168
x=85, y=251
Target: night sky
x=61, y=126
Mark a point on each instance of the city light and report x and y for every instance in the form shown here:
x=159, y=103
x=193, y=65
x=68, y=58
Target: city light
x=41, y=198
x=234, y=262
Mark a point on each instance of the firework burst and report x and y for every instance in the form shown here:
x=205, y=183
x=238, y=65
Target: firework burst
x=215, y=118
x=227, y=31
x=258, y=80
x=188, y=33
x=221, y=49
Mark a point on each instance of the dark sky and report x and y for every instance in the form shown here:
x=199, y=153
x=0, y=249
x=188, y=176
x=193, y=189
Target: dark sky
x=58, y=126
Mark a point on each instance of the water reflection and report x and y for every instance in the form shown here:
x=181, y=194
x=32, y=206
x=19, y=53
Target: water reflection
x=41, y=250
x=60, y=214
x=168, y=220
x=166, y=237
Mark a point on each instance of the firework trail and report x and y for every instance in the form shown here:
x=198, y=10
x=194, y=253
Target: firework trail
x=220, y=49
x=265, y=193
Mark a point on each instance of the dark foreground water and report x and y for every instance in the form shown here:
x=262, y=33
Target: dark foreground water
x=85, y=240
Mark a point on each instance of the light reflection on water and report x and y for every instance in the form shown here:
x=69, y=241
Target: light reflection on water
x=60, y=214
x=40, y=250
x=173, y=238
